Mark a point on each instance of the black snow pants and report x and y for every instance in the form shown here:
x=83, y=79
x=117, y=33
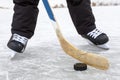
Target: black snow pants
x=26, y=12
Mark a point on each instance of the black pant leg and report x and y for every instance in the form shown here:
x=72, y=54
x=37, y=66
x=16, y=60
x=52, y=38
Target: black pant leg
x=82, y=16
x=25, y=17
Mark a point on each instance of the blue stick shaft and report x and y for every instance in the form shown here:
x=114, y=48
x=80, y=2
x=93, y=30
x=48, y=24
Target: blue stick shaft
x=48, y=9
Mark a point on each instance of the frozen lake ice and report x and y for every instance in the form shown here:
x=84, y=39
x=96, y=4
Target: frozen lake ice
x=44, y=59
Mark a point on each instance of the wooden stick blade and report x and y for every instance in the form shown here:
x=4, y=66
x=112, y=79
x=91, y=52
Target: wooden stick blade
x=91, y=59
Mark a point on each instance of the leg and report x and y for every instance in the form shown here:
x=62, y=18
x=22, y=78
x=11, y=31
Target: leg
x=82, y=16
x=23, y=25
x=84, y=21
x=25, y=17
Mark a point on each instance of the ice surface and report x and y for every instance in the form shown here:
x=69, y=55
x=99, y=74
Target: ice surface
x=45, y=60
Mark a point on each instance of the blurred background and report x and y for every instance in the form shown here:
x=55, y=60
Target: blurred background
x=62, y=3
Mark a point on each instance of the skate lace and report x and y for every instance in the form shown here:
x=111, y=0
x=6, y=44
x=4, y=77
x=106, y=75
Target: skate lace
x=95, y=33
x=20, y=39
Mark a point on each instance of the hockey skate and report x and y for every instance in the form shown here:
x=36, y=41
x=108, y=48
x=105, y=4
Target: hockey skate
x=17, y=43
x=97, y=38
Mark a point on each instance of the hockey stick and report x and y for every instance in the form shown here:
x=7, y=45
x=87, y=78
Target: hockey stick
x=91, y=59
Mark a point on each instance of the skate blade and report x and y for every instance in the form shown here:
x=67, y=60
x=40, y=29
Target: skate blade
x=103, y=46
x=11, y=54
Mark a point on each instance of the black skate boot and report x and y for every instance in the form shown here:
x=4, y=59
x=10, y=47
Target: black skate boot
x=17, y=43
x=97, y=38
